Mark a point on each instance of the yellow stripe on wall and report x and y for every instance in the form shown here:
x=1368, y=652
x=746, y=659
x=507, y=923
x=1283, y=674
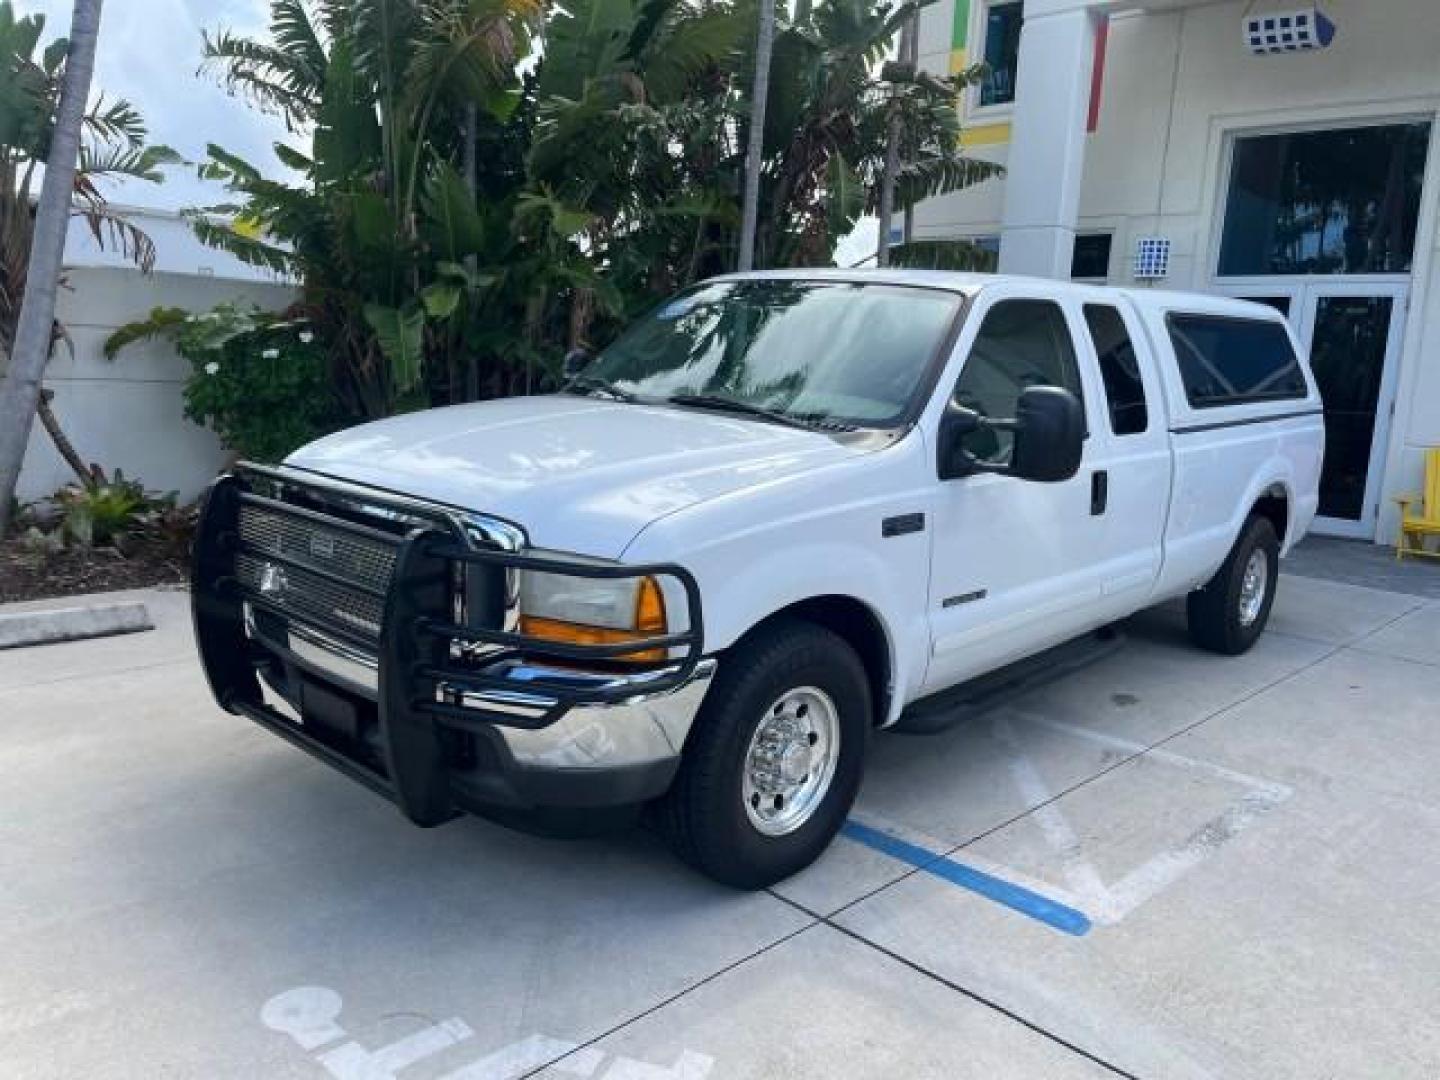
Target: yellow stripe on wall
x=985, y=135
x=957, y=61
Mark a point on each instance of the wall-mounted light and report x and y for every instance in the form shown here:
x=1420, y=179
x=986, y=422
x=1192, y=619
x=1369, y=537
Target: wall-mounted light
x=1295, y=30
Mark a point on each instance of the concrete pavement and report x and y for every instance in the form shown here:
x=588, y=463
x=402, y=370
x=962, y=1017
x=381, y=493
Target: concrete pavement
x=1167, y=864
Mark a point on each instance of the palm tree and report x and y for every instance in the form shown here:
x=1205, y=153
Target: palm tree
x=44, y=120
x=827, y=130
x=607, y=177
x=386, y=86
x=755, y=136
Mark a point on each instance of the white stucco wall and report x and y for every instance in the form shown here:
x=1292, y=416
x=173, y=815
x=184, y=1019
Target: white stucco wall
x=129, y=412
x=1178, y=84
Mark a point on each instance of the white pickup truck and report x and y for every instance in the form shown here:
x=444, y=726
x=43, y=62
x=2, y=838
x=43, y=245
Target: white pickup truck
x=777, y=513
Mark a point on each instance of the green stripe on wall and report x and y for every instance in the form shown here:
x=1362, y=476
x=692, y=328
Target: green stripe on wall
x=960, y=28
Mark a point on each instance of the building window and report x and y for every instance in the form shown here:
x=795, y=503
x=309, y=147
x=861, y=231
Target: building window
x=1002, y=51
x=1325, y=202
x=1225, y=361
x=985, y=253
x=1124, y=389
x=1091, y=259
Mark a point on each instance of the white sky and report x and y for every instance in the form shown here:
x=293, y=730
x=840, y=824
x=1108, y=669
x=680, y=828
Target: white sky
x=149, y=52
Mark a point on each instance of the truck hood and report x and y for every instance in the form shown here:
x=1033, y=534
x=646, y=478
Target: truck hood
x=578, y=474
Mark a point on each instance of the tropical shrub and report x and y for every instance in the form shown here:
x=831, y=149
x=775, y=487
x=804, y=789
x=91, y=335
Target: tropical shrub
x=457, y=226
x=258, y=379
x=96, y=514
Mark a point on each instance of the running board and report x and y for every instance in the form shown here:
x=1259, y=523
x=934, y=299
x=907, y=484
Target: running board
x=949, y=708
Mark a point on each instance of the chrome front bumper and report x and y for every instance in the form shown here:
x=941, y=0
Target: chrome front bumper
x=642, y=729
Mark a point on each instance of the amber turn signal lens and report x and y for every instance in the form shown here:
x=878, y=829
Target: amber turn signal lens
x=650, y=608
x=649, y=622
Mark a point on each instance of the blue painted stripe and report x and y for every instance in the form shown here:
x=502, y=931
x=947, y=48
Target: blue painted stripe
x=1015, y=897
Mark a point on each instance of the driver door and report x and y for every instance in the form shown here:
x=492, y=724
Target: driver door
x=1014, y=561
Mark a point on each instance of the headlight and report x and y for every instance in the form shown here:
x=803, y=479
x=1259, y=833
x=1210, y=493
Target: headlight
x=593, y=611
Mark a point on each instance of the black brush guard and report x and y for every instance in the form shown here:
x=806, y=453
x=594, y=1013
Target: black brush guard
x=424, y=691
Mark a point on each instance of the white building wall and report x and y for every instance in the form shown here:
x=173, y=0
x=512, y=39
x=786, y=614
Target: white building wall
x=1178, y=83
x=128, y=413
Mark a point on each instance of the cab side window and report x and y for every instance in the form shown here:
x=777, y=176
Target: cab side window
x=1120, y=368
x=1021, y=343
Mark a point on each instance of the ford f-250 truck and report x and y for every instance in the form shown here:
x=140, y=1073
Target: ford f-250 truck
x=773, y=515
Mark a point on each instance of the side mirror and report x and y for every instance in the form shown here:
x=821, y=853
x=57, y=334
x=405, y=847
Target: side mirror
x=576, y=361
x=1049, y=437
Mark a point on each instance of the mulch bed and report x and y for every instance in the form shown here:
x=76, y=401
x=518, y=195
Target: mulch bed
x=29, y=575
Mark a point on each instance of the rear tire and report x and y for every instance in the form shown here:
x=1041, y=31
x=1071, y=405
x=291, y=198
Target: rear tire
x=774, y=760
x=1229, y=614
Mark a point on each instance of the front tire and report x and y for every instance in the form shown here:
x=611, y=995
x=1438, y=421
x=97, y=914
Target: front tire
x=774, y=760
x=1229, y=614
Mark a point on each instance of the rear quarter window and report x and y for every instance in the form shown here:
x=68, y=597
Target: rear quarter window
x=1234, y=361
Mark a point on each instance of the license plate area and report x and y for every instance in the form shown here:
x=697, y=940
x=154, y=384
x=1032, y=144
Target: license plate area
x=337, y=716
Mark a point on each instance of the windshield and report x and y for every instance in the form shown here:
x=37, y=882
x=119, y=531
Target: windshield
x=835, y=351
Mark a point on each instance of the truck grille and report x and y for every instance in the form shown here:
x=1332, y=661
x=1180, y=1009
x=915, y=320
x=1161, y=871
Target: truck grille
x=330, y=575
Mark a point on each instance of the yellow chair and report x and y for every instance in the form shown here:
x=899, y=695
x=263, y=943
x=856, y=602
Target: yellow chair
x=1415, y=527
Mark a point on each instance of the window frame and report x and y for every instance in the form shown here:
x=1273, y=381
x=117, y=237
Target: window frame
x=1108, y=234
x=978, y=36
x=1145, y=391
x=1220, y=174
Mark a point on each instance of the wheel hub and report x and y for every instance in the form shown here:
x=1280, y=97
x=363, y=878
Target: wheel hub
x=791, y=761
x=1253, y=586
x=795, y=764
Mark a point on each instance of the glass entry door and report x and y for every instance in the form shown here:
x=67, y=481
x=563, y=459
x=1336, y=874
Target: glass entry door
x=1352, y=332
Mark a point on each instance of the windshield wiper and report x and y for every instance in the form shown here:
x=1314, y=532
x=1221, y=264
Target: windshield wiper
x=716, y=401
x=812, y=421
x=589, y=384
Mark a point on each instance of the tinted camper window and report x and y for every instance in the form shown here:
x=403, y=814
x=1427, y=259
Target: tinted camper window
x=1227, y=361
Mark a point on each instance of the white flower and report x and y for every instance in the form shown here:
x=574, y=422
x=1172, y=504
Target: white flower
x=212, y=368
x=270, y=354
x=306, y=337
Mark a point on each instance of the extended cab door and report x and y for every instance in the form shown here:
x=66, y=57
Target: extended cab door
x=1128, y=456
x=1015, y=564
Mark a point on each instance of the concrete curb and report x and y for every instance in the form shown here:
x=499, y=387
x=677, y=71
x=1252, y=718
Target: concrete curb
x=72, y=624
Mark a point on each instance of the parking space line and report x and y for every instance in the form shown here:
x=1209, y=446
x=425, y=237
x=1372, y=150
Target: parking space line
x=1015, y=897
x=310, y=1015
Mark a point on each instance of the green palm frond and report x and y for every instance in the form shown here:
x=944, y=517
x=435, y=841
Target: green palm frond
x=930, y=177
x=227, y=168
x=453, y=227
x=250, y=250
x=294, y=33
x=161, y=322
x=264, y=74
x=119, y=121
x=114, y=230
x=687, y=45
x=124, y=162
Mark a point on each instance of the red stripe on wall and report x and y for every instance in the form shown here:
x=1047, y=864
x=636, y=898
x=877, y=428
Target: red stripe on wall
x=1097, y=72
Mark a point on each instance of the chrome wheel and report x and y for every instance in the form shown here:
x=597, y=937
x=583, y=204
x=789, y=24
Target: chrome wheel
x=1253, y=587
x=791, y=761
